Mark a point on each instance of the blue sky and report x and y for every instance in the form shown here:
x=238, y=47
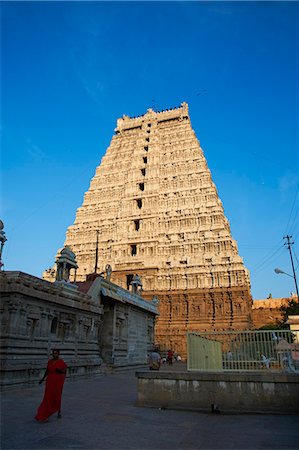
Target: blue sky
x=70, y=69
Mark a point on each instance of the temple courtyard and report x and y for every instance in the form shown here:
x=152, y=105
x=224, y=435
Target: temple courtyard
x=100, y=413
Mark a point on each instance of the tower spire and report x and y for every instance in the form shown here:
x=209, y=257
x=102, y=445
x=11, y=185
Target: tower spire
x=156, y=206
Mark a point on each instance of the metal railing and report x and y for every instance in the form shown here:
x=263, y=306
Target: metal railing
x=243, y=351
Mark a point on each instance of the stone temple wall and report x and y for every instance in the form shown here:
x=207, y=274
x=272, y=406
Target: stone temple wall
x=37, y=316
x=268, y=311
x=156, y=212
x=94, y=325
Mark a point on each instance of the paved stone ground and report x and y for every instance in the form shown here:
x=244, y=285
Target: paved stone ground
x=100, y=414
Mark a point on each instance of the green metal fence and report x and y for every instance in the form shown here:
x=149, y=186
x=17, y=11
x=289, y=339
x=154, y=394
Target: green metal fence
x=243, y=351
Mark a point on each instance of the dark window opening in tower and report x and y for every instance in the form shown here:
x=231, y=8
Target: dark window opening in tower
x=133, y=249
x=145, y=159
x=149, y=124
x=143, y=171
x=129, y=279
x=146, y=148
x=139, y=203
x=137, y=224
x=147, y=139
x=141, y=186
x=148, y=131
x=54, y=325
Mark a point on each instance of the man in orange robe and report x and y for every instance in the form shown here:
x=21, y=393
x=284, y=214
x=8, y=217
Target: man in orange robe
x=55, y=376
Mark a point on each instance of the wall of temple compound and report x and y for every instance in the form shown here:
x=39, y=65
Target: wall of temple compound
x=37, y=316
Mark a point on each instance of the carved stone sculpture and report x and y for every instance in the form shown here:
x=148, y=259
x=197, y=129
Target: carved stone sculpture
x=136, y=284
x=108, y=269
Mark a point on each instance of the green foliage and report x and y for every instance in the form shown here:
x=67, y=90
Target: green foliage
x=291, y=309
x=271, y=326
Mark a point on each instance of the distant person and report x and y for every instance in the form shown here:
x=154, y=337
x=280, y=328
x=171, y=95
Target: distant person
x=229, y=356
x=154, y=360
x=265, y=361
x=55, y=376
x=170, y=357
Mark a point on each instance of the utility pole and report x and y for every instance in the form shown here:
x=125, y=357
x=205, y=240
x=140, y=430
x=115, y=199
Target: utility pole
x=288, y=244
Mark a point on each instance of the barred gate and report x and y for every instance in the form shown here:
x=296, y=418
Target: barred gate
x=243, y=351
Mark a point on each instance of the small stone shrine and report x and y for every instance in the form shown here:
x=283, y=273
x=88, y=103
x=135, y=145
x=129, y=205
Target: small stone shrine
x=66, y=261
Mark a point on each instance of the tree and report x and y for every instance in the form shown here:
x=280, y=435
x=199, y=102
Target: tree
x=291, y=309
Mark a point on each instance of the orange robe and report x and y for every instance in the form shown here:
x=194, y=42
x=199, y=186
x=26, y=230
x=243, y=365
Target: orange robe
x=54, y=384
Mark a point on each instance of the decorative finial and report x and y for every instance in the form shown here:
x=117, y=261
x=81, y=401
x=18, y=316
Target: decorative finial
x=3, y=239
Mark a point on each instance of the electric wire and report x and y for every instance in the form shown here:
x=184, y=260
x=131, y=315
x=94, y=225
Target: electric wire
x=267, y=259
x=268, y=263
x=293, y=205
x=294, y=223
x=295, y=256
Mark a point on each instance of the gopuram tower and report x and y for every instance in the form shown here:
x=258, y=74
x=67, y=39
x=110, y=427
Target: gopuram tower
x=152, y=209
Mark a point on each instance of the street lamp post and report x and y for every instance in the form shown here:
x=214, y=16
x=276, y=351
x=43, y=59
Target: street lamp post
x=279, y=271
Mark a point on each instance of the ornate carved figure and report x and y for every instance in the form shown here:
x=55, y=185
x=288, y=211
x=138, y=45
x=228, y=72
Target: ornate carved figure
x=136, y=284
x=108, y=270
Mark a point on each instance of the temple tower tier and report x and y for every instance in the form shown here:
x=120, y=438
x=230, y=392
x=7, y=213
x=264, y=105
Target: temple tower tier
x=152, y=209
